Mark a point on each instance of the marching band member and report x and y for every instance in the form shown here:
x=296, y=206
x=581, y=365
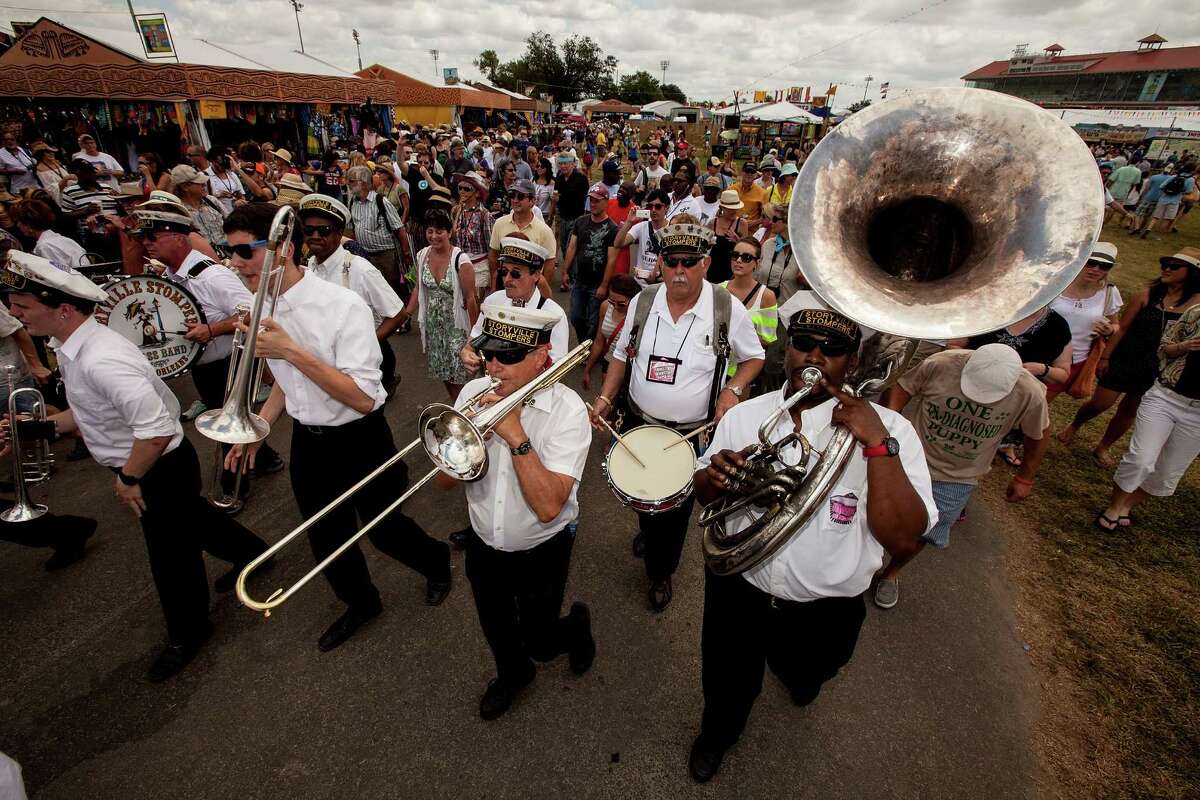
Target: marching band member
x=331, y=262
x=521, y=509
x=129, y=420
x=323, y=351
x=219, y=291
x=800, y=610
x=682, y=333
x=521, y=262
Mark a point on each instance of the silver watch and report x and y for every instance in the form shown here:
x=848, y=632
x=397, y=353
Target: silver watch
x=737, y=390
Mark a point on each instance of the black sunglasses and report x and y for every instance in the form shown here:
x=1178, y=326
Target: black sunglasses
x=245, y=251
x=516, y=274
x=745, y=258
x=319, y=230
x=619, y=304
x=508, y=357
x=1100, y=265
x=682, y=261
x=1173, y=265
x=519, y=196
x=778, y=219
x=830, y=347
x=654, y=206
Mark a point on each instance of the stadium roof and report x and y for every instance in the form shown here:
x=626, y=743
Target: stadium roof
x=1153, y=60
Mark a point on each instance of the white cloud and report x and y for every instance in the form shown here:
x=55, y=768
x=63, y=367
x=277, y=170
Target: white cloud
x=714, y=46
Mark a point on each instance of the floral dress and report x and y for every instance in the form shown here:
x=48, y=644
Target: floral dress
x=443, y=339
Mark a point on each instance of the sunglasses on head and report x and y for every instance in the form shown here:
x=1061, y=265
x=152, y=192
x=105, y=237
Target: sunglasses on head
x=745, y=258
x=246, y=251
x=682, y=261
x=508, y=357
x=319, y=230
x=833, y=348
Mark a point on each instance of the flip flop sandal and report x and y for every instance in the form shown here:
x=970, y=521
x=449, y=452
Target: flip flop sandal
x=1100, y=521
x=1125, y=521
x=1009, y=458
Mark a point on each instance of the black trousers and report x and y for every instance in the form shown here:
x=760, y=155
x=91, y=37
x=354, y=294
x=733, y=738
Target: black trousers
x=179, y=526
x=805, y=644
x=518, y=596
x=663, y=533
x=210, y=380
x=48, y=530
x=388, y=365
x=326, y=462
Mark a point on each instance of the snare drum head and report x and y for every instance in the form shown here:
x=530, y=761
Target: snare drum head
x=666, y=473
x=153, y=312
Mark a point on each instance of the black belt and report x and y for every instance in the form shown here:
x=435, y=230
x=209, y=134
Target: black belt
x=322, y=430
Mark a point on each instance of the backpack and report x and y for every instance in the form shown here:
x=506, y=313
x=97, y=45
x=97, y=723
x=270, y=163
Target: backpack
x=722, y=311
x=1174, y=186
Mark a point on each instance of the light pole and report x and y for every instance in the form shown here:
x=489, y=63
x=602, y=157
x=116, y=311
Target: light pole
x=868, y=79
x=664, y=64
x=298, y=6
x=434, y=53
x=357, y=46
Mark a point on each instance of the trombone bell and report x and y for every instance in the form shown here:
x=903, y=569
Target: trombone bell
x=234, y=425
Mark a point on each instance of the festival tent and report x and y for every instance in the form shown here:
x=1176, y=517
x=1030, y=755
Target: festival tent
x=780, y=112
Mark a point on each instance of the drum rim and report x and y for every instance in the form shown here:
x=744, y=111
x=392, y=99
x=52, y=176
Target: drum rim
x=200, y=347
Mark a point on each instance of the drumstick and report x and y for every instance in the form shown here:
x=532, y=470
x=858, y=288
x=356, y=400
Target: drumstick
x=618, y=437
x=696, y=432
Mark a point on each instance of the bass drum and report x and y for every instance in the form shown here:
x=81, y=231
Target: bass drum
x=154, y=313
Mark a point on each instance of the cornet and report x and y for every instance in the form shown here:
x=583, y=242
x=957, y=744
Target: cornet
x=26, y=472
x=235, y=422
x=456, y=443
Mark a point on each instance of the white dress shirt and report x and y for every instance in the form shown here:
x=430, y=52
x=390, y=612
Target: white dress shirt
x=559, y=334
x=557, y=424
x=834, y=554
x=114, y=394
x=219, y=292
x=690, y=340
x=361, y=277
x=334, y=324
x=19, y=160
x=60, y=251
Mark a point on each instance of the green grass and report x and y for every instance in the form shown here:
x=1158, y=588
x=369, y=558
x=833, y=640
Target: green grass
x=1114, y=614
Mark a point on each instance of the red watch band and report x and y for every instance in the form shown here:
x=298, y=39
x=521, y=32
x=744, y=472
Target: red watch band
x=880, y=449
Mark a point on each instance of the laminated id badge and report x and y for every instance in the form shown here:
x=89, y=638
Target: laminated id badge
x=662, y=369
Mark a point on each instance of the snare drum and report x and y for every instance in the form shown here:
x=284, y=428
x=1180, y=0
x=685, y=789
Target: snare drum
x=665, y=481
x=154, y=313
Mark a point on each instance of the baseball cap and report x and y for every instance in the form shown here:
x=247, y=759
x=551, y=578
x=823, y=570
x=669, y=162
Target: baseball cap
x=186, y=173
x=711, y=182
x=524, y=186
x=714, y=162
x=990, y=373
x=598, y=190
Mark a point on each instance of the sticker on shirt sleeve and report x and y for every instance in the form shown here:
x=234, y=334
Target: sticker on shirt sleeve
x=842, y=508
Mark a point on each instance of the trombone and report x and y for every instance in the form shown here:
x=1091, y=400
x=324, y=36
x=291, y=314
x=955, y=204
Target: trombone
x=235, y=422
x=26, y=472
x=456, y=443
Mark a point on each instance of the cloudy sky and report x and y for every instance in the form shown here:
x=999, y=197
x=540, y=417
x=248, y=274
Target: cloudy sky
x=712, y=48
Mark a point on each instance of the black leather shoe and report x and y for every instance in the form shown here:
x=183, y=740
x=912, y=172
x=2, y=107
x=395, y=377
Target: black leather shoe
x=660, y=594
x=499, y=696
x=79, y=452
x=704, y=761
x=175, y=656
x=227, y=582
x=459, y=539
x=344, y=628
x=639, y=545
x=268, y=466
x=583, y=648
x=436, y=592
x=72, y=549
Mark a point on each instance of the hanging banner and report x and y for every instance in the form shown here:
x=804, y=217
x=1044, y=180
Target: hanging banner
x=155, y=35
x=213, y=109
x=1152, y=86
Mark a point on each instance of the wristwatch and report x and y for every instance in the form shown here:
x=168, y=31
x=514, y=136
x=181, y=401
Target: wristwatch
x=888, y=447
x=521, y=449
x=128, y=480
x=737, y=390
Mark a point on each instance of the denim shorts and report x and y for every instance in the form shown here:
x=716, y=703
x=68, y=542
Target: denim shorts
x=950, y=499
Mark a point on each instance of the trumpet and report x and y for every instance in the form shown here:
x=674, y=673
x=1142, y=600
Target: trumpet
x=235, y=422
x=26, y=472
x=456, y=442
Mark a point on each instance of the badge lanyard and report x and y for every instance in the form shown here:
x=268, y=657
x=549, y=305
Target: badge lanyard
x=662, y=369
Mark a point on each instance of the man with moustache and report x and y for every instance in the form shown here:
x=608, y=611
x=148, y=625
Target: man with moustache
x=799, y=611
x=669, y=365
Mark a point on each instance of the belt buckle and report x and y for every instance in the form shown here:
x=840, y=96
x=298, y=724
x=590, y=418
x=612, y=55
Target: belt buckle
x=316, y=430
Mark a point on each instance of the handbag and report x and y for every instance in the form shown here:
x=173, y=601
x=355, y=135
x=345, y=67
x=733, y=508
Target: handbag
x=1085, y=382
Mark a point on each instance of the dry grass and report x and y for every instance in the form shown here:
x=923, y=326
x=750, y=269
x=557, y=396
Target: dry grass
x=1112, y=616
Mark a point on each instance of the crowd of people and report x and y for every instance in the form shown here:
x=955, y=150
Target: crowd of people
x=678, y=266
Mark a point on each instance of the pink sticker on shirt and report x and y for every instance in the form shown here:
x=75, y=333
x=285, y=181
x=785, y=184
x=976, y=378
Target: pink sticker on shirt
x=842, y=508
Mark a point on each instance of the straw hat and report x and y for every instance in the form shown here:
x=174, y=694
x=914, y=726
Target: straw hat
x=731, y=200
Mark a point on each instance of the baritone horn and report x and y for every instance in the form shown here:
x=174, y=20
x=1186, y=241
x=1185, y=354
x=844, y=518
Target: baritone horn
x=456, y=443
x=941, y=214
x=31, y=463
x=235, y=422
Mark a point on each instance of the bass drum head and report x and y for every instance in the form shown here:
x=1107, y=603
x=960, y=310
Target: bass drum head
x=154, y=313
x=667, y=472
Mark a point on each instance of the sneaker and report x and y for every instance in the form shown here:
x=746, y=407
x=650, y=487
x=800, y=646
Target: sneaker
x=194, y=410
x=887, y=592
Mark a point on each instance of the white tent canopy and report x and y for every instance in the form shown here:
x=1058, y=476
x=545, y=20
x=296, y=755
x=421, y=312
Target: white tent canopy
x=771, y=112
x=1184, y=120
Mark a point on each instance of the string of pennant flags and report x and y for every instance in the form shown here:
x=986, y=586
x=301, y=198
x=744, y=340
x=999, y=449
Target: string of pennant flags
x=802, y=95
